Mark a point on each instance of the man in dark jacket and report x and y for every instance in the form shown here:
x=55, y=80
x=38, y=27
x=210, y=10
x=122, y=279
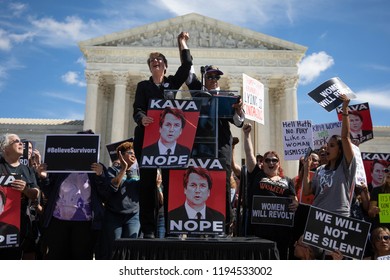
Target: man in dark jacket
x=212, y=75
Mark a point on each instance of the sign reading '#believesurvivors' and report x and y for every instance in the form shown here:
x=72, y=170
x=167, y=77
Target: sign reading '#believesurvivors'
x=71, y=152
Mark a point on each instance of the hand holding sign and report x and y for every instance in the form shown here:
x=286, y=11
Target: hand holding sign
x=328, y=93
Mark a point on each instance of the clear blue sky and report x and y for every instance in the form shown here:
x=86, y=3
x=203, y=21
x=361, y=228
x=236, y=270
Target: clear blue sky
x=42, y=68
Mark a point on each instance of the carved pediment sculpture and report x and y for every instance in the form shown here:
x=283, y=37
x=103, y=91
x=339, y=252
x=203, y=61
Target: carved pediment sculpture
x=204, y=33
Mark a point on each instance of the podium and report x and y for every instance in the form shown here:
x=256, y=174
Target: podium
x=215, y=105
x=237, y=248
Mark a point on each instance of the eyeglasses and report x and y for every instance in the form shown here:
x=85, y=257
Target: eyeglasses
x=159, y=59
x=383, y=237
x=215, y=78
x=273, y=160
x=386, y=170
x=18, y=141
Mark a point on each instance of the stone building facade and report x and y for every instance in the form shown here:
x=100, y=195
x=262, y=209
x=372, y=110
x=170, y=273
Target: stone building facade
x=117, y=62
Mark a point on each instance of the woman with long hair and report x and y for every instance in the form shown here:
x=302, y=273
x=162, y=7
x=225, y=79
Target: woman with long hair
x=380, y=241
x=269, y=181
x=333, y=183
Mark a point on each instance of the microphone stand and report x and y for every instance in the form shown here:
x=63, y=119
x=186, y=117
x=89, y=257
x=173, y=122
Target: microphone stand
x=203, y=90
x=202, y=72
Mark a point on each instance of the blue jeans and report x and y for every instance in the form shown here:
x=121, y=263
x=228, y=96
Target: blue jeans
x=118, y=226
x=160, y=225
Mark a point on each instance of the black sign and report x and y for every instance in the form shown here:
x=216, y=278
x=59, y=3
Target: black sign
x=71, y=152
x=327, y=94
x=272, y=210
x=333, y=232
x=111, y=148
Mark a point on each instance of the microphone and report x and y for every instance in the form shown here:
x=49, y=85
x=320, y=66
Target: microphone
x=202, y=72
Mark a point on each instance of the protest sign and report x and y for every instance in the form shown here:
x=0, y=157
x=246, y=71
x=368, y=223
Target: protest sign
x=384, y=205
x=374, y=165
x=360, y=176
x=327, y=94
x=333, y=232
x=10, y=217
x=199, y=188
x=111, y=148
x=272, y=210
x=297, y=137
x=322, y=133
x=360, y=122
x=169, y=139
x=253, y=99
x=71, y=152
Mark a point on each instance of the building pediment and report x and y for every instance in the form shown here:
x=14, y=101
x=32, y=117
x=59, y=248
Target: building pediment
x=204, y=32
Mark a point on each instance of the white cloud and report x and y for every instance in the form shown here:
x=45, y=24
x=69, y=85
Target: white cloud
x=81, y=61
x=5, y=67
x=375, y=97
x=3, y=76
x=63, y=34
x=66, y=114
x=65, y=97
x=235, y=12
x=74, y=116
x=378, y=67
x=17, y=9
x=72, y=78
x=312, y=66
x=7, y=39
x=323, y=35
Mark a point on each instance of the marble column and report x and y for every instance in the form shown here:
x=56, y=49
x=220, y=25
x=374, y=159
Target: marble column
x=118, y=112
x=278, y=116
x=92, y=78
x=291, y=113
x=290, y=87
x=262, y=131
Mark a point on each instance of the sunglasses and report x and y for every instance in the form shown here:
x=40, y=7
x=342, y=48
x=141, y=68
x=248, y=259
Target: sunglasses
x=273, y=160
x=15, y=141
x=159, y=59
x=384, y=237
x=215, y=78
x=386, y=170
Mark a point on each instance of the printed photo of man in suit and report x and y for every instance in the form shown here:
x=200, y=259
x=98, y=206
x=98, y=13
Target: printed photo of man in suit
x=9, y=233
x=197, y=183
x=357, y=134
x=171, y=124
